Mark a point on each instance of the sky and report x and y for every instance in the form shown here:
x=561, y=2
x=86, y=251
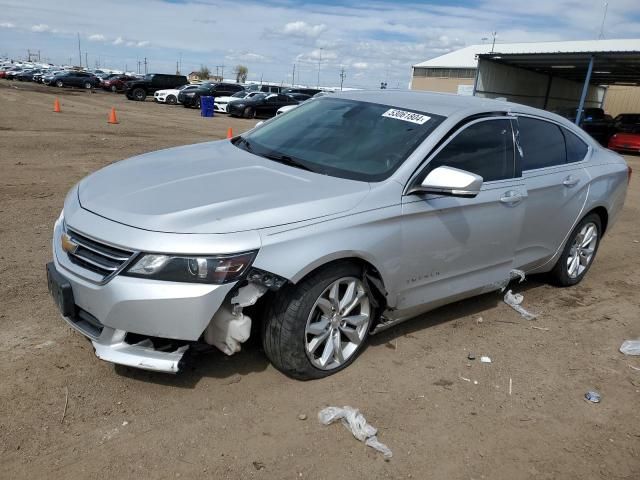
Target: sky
x=373, y=41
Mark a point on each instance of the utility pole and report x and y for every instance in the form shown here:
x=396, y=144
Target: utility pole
x=86, y=60
x=177, y=67
x=145, y=66
x=493, y=44
x=319, y=63
x=79, y=51
x=604, y=17
x=293, y=75
x=342, y=77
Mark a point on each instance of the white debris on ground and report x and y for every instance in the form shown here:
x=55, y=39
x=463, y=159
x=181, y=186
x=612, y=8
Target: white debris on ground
x=514, y=300
x=630, y=347
x=352, y=419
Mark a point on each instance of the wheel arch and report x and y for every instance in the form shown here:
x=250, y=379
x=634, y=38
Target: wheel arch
x=603, y=214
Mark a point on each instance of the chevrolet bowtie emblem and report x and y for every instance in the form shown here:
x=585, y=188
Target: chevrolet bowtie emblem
x=68, y=245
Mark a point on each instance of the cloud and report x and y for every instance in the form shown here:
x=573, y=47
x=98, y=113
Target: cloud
x=97, y=37
x=246, y=57
x=7, y=25
x=303, y=29
x=360, y=65
x=142, y=43
x=41, y=27
x=118, y=41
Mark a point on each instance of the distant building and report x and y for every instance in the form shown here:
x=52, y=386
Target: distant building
x=616, y=79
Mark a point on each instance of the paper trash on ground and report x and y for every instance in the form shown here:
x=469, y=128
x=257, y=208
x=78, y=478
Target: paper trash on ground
x=514, y=300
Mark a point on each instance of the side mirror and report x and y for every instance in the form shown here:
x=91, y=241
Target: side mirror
x=450, y=181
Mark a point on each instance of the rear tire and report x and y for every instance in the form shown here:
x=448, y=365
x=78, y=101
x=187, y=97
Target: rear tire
x=579, y=252
x=114, y=88
x=88, y=85
x=300, y=317
x=60, y=84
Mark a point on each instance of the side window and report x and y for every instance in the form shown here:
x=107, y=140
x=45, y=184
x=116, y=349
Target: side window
x=484, y=148
x=542, y=144
x=576, y=148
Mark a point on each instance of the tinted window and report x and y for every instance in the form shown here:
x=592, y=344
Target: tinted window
x=542, y=144
x=484, y=148
x=576, y=148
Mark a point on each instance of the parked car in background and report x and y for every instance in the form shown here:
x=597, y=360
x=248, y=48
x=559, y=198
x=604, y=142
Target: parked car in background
x=287, y=108
x=347, y=216
x=627, y=123
x=220, y=103
x=254, y=87
x=10, y=74
x=49, y=77
x=625, y=142
x=264, y=105
x=170, y=96
x=191, y=98
x=306, y=91
x=117, y=83
x=75, y=79
x=139, y=89
x=594, y=121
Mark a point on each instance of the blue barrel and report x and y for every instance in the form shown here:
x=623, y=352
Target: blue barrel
x=206, y=106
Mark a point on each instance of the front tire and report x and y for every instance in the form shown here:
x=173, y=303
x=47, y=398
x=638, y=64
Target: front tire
x=249, y=113
x=114, y=88
x=139, y=95
x=59, y=84
x=579, y=252
x=88, y=85
x=171, y=100
x=319, y=326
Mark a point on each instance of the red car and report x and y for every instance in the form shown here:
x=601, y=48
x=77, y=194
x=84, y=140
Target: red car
x=116, y=84
x=625, y=142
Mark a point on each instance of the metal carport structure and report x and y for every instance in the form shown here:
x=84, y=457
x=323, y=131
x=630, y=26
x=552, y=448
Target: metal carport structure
x=575, y=76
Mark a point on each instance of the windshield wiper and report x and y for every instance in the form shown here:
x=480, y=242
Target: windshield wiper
x=287, y=161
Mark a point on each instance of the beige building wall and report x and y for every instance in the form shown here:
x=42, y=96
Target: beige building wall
x=436, y=84
x=622, y=99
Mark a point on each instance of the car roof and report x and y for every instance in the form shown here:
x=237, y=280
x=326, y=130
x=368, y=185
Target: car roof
x=446, y=104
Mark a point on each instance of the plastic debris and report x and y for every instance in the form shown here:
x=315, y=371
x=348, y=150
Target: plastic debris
x=485, y=359
x=352, y=419
x=592, y=396
x=630, y=347
x=471, y=356
x=513, y=274
x=514, y=300
x=302, y=416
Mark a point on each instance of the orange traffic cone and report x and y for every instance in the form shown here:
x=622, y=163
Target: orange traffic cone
x=112, y=116
x=56, y=106
x=230, y=132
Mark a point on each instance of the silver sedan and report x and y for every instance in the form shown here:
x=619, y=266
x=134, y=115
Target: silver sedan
x=351, y=213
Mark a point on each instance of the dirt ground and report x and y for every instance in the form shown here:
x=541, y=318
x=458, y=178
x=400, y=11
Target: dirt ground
x=65, y=414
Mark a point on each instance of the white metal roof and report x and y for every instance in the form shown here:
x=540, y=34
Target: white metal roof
x=466, y=57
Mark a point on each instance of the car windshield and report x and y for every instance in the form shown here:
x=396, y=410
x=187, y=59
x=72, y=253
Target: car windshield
x=239, y=95
x=344, y=138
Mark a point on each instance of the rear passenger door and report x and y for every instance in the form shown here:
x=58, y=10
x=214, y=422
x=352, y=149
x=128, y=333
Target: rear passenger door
x=551, y=158
x=452, y=246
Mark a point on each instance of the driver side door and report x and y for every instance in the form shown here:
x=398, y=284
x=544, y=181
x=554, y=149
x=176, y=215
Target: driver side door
x=454, y=247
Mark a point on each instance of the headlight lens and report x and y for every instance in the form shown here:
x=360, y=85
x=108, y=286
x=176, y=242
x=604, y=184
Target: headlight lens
x=172, y=268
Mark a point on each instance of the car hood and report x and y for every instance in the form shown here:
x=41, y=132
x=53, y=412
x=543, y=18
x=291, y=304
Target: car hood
x=213, y=188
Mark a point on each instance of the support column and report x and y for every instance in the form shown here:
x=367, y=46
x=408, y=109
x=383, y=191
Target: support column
x=585, y=89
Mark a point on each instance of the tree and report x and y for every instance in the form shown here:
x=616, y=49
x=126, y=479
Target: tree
x=241, y=73
x=204, y=73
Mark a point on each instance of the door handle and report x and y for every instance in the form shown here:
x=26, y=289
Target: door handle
x=511, y=198
x=570, y=181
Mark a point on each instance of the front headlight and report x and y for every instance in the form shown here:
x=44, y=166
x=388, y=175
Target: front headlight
x=198, y=269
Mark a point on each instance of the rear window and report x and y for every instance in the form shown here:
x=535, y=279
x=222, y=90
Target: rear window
x=576, y=148
x=541, y=144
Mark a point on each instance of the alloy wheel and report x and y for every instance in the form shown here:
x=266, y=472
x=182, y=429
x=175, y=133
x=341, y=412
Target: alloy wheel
x=337, y=324
x=582, y=250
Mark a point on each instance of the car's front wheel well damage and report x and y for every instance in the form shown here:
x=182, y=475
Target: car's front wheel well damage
x=242, y=312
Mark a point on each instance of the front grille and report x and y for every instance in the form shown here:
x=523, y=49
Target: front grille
x=105, y=260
